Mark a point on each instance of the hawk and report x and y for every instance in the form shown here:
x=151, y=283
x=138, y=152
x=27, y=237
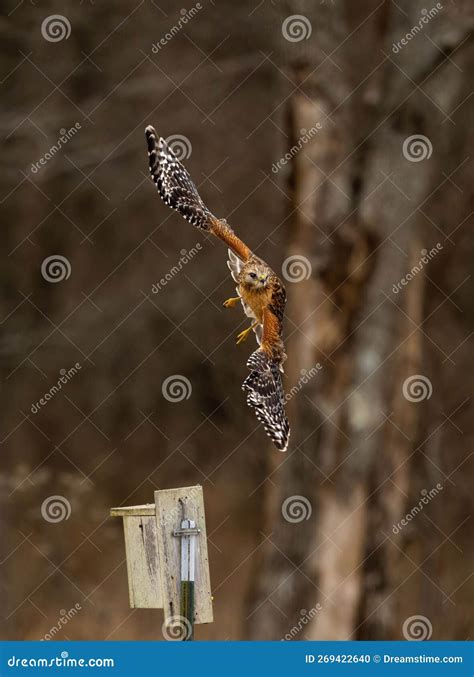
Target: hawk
x=259, y=289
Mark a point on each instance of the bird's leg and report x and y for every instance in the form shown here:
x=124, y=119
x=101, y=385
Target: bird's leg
x=230, y=303
x=244, y=334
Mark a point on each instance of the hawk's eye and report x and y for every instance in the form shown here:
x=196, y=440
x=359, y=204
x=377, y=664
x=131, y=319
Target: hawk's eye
x=253, y=275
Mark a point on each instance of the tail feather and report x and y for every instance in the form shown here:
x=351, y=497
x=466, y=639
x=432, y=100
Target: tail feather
x=265, y=394
x=174, y=184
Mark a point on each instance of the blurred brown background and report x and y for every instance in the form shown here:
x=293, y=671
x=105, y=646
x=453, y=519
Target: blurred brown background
x=357, y=203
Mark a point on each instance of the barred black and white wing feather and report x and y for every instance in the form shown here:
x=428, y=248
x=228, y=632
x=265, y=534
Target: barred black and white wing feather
x=177, y=190
x=266, y=396
x=174, y=184
x=264, y=385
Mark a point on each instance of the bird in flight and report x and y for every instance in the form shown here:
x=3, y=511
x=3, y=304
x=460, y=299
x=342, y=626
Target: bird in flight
x=259, y=290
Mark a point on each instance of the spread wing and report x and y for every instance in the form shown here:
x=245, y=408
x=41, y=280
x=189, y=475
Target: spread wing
x=266, y=396
x=177, y=190
x=264, y=385
x=173, y=182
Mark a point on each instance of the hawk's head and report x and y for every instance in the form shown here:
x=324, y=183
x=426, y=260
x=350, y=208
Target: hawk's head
x=255, y=275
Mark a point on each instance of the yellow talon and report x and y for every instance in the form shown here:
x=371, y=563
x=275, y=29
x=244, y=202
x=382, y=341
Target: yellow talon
x=243, y=335
x=230, y=303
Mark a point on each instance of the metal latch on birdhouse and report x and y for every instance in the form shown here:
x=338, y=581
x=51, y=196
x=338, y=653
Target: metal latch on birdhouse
x=187, y=533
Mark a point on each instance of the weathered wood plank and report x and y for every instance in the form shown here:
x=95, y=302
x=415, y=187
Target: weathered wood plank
x=168, y=517
x=125, y=511
x=141, y=546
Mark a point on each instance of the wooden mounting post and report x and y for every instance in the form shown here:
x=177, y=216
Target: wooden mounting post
x=166, y=547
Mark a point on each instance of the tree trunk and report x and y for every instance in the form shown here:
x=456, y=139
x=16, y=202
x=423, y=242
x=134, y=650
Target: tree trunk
x=360, y=220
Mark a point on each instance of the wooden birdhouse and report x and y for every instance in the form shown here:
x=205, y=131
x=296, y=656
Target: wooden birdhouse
x=167, y=558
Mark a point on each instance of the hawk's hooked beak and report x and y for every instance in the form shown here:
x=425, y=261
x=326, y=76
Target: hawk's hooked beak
x=262, y=278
